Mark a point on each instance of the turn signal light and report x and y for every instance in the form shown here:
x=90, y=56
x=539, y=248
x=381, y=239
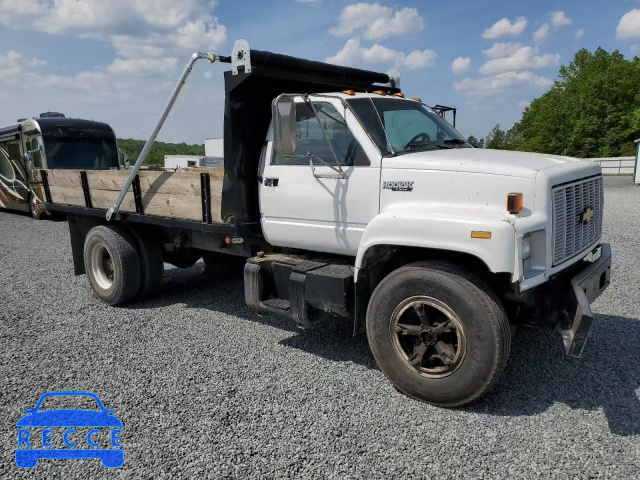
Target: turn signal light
x=482, y=235
x=349, y=92
x=379, y=92
x=515, y=201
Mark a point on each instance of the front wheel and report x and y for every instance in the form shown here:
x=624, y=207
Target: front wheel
x=438, y=333
x=34, y=207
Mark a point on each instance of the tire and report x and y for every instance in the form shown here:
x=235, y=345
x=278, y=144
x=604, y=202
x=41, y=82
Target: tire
x=456, y=354
x=34, y=208
x=151, y=264
x=112, y=264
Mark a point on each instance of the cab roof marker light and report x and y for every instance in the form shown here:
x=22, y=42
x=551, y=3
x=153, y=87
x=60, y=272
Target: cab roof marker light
x=399, y=94
x=380, y=92
x=417, y=99
x=349, y=92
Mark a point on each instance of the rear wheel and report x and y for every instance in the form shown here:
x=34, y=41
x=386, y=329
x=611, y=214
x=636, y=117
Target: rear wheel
x=112, y=264
x=438, y=333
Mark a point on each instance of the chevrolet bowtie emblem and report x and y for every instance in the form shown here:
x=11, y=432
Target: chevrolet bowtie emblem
x=586, y=216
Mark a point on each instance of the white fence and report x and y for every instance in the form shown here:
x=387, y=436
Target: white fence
x=616, y=165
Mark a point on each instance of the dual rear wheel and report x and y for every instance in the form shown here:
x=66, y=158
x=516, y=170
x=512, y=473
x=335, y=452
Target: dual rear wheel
x=120, y=264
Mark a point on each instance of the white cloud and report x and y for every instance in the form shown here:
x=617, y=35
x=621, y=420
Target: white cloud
x=542, y=33
x=136, y=29
x=461, y=64
x=13, y=64
x=151, y=40
x=502, y=49
x=377, y=22
x=522, y=59
x=505, y=27
x=629, y=25
x=495, y=84
x=579, y=34
x=559, y=19
x=354, y=53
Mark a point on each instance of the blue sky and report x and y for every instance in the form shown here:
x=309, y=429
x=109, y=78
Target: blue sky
x=117, y=61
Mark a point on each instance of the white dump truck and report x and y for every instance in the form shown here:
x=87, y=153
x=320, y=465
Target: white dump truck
x=343, y=198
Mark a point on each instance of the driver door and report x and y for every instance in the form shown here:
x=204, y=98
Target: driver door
x=313, y=208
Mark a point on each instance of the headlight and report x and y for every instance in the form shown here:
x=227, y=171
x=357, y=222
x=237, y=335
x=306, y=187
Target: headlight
x=526, y=246
x=533, y=253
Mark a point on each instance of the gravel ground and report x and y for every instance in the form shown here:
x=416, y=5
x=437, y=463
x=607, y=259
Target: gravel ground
x=206, y=387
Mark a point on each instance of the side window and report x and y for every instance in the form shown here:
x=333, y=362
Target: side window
x=35, y=152
x=310, y=139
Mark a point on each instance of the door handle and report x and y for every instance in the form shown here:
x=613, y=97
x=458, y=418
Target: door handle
x=271, y=182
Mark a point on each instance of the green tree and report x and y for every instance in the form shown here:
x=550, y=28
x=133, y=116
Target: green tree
x=592, y=110
x=496, y=139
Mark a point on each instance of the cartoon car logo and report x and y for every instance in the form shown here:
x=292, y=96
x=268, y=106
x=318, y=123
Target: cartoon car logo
x=70, y=419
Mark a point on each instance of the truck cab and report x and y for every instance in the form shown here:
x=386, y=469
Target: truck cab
x=371, y=169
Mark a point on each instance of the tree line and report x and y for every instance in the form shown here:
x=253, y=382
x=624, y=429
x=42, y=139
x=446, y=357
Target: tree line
x=158, y=150
x=592, y=110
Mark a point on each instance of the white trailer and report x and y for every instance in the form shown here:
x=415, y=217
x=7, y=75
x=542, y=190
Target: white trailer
x=177, y=162
x=214, y=147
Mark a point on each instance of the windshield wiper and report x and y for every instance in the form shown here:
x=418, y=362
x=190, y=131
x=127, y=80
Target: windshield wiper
x=431, y=146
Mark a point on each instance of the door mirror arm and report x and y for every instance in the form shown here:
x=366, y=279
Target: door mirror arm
x=341, y=173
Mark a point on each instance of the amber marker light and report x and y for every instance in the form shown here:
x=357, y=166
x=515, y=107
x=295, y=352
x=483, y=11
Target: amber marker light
x=379, y=92
x=481, y=235
x=349, y=92
x=399, y=94
x=417, y=99
x=515, y=202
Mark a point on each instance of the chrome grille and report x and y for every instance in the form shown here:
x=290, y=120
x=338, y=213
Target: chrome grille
x=570, y=235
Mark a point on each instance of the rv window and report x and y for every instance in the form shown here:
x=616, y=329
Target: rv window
x=81, y=153
x=36, y=153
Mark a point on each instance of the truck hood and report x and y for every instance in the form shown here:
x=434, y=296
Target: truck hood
x=479, y=160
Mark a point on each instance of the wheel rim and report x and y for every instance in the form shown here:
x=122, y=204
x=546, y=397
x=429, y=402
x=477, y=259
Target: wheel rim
x=102, y=267
x=428, y=336
x=34, y=207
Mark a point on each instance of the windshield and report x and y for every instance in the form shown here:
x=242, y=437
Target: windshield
x=400, y=126
x=81, y=153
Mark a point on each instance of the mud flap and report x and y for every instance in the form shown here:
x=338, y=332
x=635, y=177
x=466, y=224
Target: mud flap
x=587, y=286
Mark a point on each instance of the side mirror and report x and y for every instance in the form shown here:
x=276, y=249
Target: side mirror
x=284, y=125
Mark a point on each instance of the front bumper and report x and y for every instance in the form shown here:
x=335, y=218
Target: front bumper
x=587, y=285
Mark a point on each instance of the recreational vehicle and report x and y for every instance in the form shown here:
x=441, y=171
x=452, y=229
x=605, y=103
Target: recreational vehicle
x=49, y=141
